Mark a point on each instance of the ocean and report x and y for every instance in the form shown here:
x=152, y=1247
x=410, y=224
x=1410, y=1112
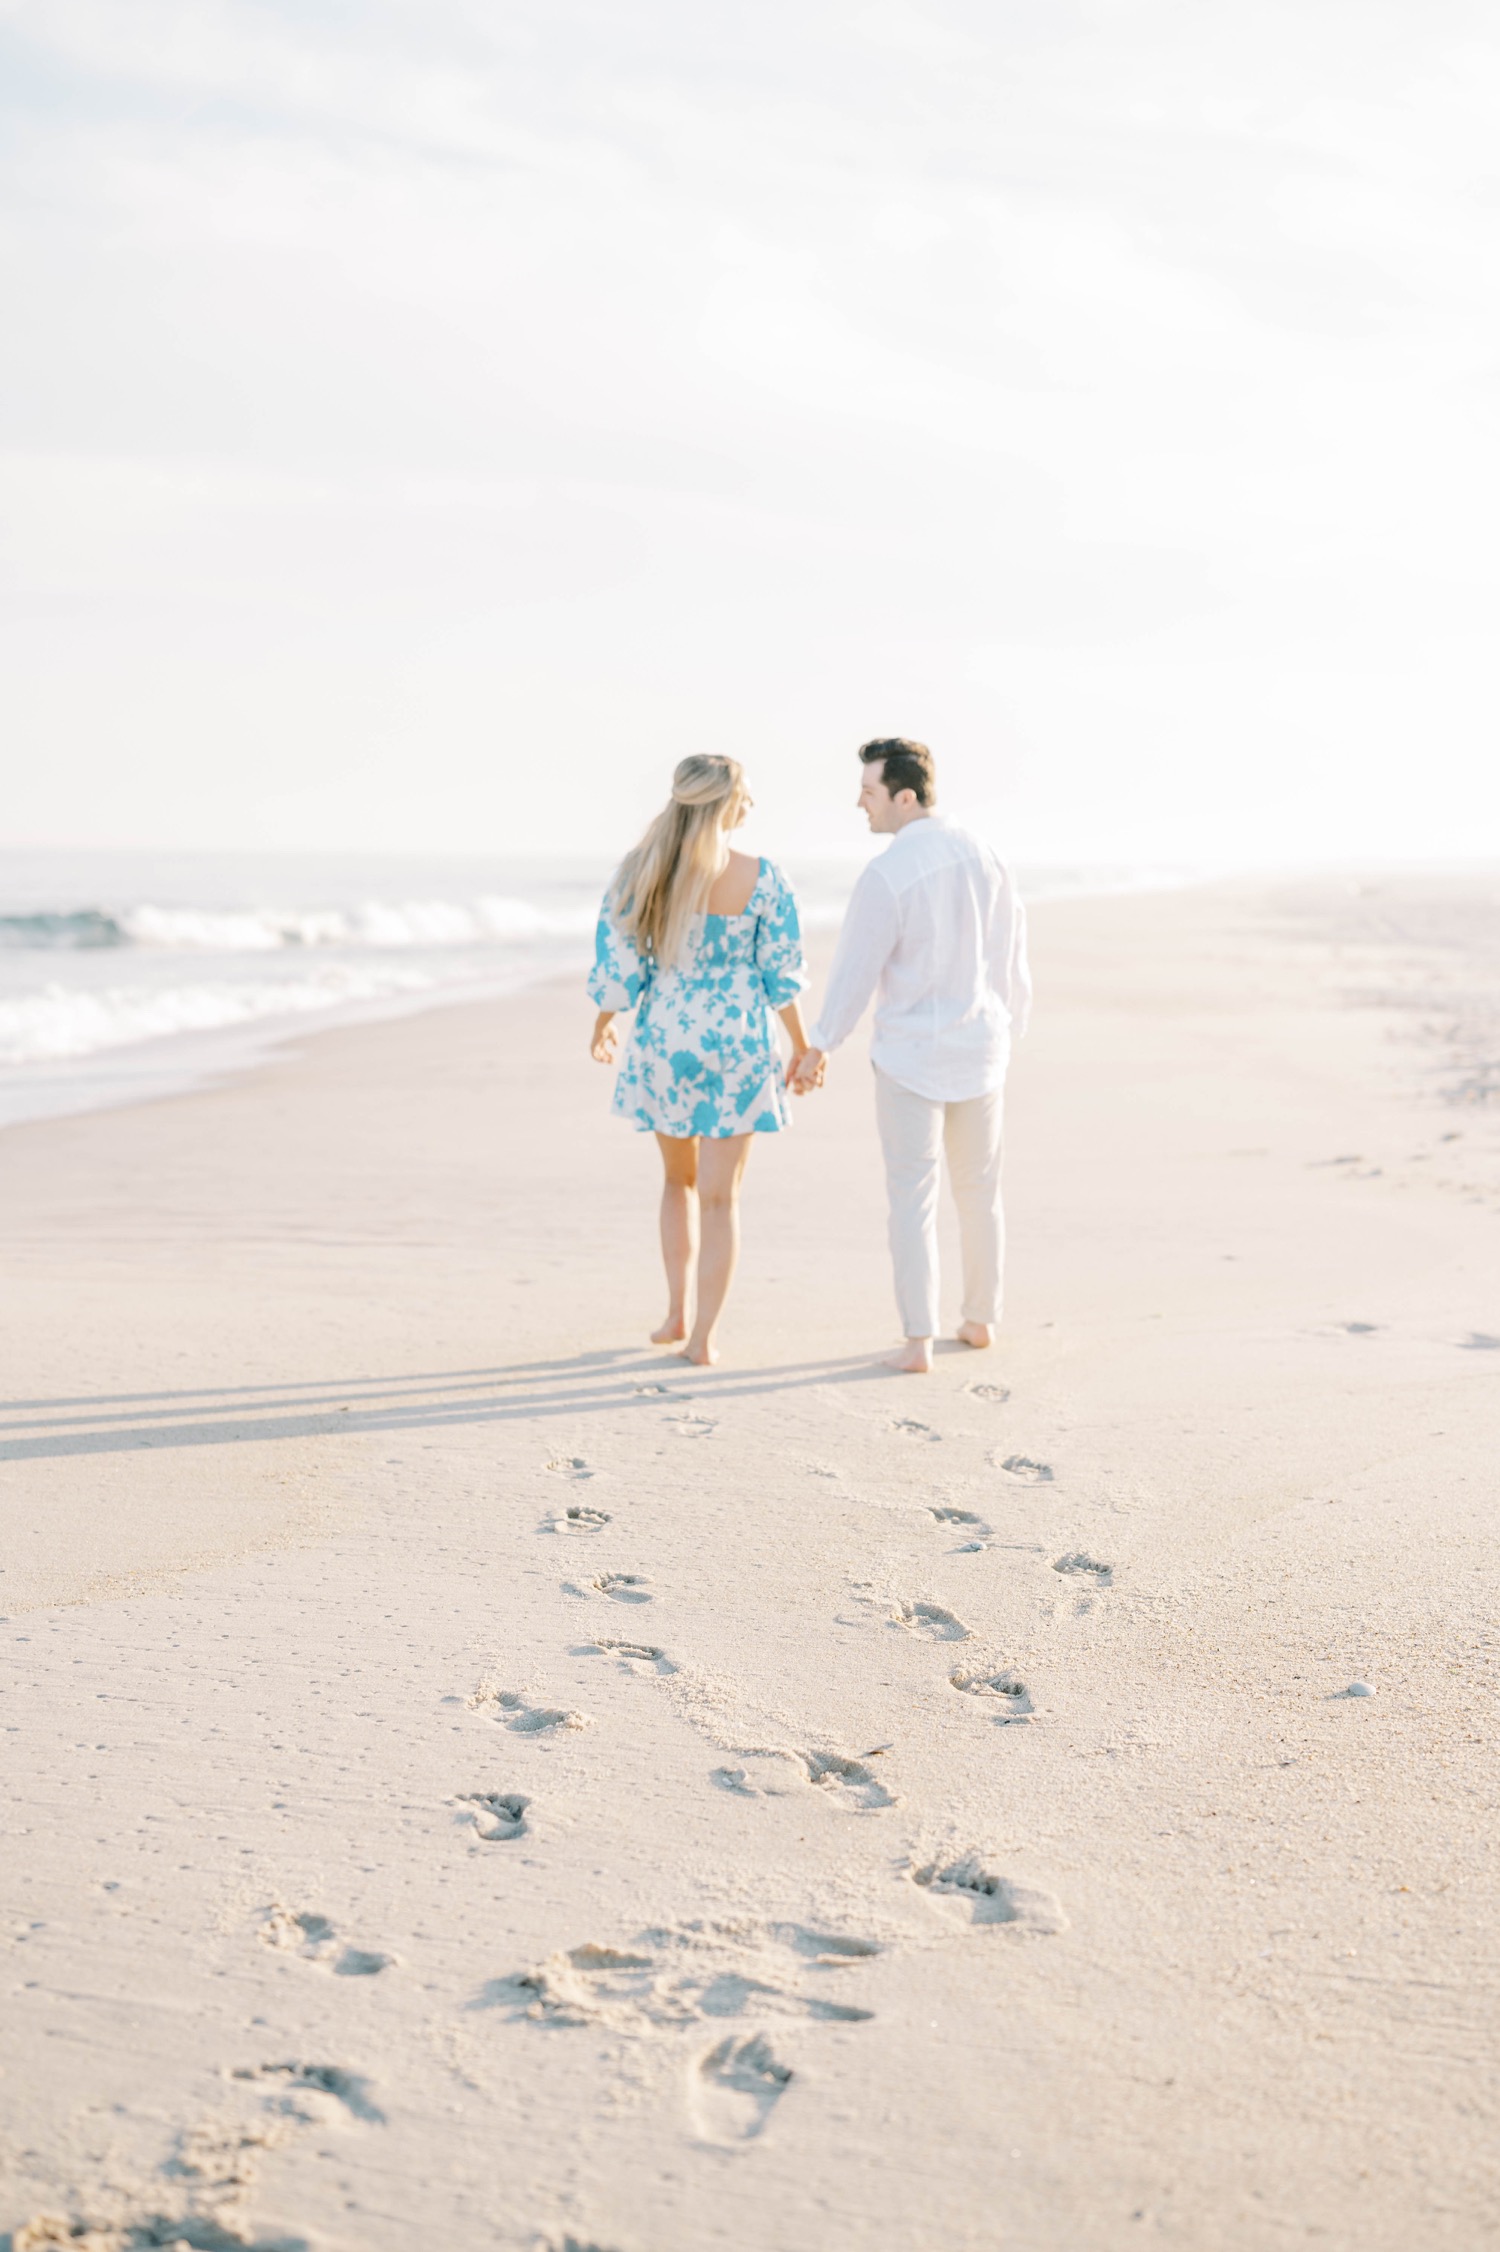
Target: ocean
x=125, y=976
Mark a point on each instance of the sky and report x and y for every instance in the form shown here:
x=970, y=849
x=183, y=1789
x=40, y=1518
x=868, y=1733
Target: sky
x=424, y=421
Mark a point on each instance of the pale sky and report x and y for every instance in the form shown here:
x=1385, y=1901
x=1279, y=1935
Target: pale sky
x=425, y=421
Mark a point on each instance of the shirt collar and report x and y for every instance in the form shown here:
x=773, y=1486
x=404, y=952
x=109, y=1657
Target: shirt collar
x=931, y=821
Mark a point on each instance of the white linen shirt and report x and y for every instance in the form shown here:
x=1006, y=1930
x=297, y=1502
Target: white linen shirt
x=936, y=926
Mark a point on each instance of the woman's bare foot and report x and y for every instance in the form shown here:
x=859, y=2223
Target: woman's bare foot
x=672, y=1331
x=913, y=1359
x=700, y=1352
x=975, y=1333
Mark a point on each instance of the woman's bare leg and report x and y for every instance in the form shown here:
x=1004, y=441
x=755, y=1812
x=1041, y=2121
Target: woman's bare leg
x=679, y=1231
x=721, y=1165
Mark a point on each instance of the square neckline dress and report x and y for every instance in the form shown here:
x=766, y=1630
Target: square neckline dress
x=702, y=1057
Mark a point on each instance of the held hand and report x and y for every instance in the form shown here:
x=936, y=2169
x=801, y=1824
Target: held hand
x=602, y=1045
x=806, y=1070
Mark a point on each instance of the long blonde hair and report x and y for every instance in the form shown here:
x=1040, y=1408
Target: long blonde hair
x=666, y=879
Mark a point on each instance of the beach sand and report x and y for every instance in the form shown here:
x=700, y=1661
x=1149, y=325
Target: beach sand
x=473, y=1782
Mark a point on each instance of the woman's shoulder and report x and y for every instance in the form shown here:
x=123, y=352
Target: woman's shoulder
x=773, y=877
x=775, y=902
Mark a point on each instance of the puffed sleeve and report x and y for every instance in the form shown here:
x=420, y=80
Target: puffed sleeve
x=778, y=942
x=619, y=976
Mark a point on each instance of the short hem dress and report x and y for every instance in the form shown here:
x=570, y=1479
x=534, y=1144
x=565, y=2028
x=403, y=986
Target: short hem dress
x=702, y=1057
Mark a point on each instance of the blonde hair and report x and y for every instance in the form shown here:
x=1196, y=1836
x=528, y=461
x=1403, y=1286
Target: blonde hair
x=666, y=879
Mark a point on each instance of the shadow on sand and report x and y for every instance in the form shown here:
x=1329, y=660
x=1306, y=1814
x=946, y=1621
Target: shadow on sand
x=427, y=1400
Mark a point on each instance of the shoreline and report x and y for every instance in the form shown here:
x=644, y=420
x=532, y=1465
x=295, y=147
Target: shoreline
x=110, y=1076
x=185, y=1063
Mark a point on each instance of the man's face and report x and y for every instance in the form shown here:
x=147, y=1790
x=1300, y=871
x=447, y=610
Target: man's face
x=875, y=801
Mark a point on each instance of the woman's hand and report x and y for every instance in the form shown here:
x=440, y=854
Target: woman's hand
x=805, y=1066
x=602, y=1044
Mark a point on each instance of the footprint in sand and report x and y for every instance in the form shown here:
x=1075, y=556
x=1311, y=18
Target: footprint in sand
x=684, y=1974
x=623, y=1587
x=201, y=2189
x=916, y=1617
x=931, y=1620
x=964, y=1520
x=849, y=1783
x=693, y=1426
x=967, y=1884
x=577, y=1519
x=313, y=1937
x=634, y=1654
x=1024, y=1470
x=570, y=1466
x=996, y=1394
x=297, y=2082
x=1003, y=1690
x=1478, y=1341
x=909, y=1428
x=620, y=1587
x=736, y=2087
x=498, y=1816
x=510, y=1709
x=1079, y=1566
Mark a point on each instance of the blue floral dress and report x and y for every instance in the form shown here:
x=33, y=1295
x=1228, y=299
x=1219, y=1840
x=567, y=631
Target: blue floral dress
x=702, y=1057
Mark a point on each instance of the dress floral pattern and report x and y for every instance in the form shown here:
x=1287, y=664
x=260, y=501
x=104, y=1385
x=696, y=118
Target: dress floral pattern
x=702, y=1057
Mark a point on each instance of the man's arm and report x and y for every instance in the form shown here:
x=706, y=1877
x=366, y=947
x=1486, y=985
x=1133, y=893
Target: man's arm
x=871, y=928
x=1010, y=971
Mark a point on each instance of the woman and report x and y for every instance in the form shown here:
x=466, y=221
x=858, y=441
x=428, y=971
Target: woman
x=703, y=943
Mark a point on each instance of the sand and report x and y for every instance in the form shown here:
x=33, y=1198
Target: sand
x=472, y=1782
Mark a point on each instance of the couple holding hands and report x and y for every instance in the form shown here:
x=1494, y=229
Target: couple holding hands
x=703, y=943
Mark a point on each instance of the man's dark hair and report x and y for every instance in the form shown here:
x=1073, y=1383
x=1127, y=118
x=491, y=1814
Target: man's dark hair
x=904, y=766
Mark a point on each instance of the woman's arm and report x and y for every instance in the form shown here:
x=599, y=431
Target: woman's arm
x=619, y=976
x=602, y=1040
x=791, y=1017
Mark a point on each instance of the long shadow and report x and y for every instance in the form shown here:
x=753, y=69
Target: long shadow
x=616, y=1356
x=428, y=1400
x=22, y=1415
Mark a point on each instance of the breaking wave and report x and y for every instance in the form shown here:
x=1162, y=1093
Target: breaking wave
x=385, y=924
x=61, y=1022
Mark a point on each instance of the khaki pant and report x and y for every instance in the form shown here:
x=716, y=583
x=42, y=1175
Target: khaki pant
x=915, y=1133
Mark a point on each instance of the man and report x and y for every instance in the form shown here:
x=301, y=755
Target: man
x=936, y=931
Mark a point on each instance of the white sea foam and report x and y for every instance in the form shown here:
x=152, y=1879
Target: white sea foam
x=133, y=971
x=61, y=1022
x=388, y=924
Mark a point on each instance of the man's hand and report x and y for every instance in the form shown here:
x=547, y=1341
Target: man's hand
x=602, y=1044
x=806, y=1071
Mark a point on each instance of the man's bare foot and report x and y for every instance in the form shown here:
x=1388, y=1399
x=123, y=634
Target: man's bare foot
x=700, y=1353
x=913, y=1359
x=672, y=1331
x=975, y=1333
